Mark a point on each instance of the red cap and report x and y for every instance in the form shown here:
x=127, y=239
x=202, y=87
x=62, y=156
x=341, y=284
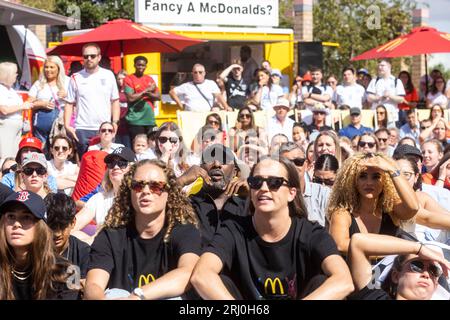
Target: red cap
x=307, y=77
x=31, y=142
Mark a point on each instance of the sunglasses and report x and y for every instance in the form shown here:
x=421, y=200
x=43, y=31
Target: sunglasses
x=163, y=140
x=273, y=183
x=213, y=122
x=327, y=182
x=63, y=148
x=106, y=130
x=122, y=164
x=13, y=168
x=362, y=144
x=418, y=266
x=28, y=171
x=424, y=128
x=244, y=115
x=156, y=187
x=318, y=112
x=383, y=139
x=298, y=161
x=89, y=56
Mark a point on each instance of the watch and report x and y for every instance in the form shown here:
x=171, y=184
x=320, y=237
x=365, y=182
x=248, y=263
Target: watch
x=139, y=292
x=395, y=173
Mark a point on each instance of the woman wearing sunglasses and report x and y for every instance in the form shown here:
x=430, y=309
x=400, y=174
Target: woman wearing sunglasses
x=118, y=163
x=65, y=171
x=34, y=174
x=107, y=135
x=325, y=170
x=368, y=143
x=275, y=252
x=150, y=242
x=414, y=274
x=213, y=121
x=9, y=165
x=246, y=128
x=369, y=195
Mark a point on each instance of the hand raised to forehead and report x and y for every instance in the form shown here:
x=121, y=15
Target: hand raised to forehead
x=376, y=161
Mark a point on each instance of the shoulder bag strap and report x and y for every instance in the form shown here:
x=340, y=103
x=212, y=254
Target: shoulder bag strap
x=209, y=104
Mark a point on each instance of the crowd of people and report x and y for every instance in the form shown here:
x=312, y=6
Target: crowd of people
x=98, y=202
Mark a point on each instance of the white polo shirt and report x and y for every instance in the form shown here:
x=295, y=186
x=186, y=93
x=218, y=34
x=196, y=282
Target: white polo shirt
x=193, y=99
x=93, y=94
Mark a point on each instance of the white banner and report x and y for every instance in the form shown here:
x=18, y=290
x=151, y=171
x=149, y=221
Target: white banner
x=208, y=12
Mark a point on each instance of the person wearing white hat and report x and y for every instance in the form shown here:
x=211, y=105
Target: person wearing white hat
x=280, y=122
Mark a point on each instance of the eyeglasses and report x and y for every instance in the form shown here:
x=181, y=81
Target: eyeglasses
x=89, y=56
x=383, y=139
x=327, y=182
x=13, y=168
x=244, y=115
x=28, y=171
x=213, y=122
x=380, y=112
x=418, y=266
x=407, y=174
x=298, y=161
x=273, y=183
x=424, y=128
x=163, y=140
x=63, y=148
x=156, y=187
x=362, y=144
x=106, y=130
x=122, y=164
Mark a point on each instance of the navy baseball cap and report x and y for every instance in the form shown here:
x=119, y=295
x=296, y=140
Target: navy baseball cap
x=30, y=200
x=121, y=152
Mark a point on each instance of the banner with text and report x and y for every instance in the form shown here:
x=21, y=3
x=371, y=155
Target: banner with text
x=208, y=12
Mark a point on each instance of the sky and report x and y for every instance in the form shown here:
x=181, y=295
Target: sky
x=439, y=19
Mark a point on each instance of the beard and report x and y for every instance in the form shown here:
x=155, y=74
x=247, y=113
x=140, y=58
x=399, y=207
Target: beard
x=216, y=188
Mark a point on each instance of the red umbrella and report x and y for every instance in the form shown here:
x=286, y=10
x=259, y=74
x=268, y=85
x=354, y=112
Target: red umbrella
x=421, y=40
x=125, y=37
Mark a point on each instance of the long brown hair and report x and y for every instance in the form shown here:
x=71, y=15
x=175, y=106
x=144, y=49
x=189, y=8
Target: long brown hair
x=42, y=259
x=178, y=206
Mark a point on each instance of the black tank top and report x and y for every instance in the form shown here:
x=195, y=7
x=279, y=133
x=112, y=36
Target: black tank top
x=387, y=226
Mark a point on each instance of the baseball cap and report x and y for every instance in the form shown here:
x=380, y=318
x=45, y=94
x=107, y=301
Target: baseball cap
x=30, y=200
x=122, y=152
x=276, y=72
x=218, y=152
x=355, y=111
x=320, y=107
x=30, y=142
x=307, y=77
x=35, y=157
x=363, y=71
x=407, y=150
x=282, y=102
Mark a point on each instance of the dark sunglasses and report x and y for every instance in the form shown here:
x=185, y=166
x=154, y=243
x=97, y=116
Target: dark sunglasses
x=319, y=112
x=423, y=128
x=91, y=56
x=298, y=161
x=122, y=164
x=418, y=266
x=165, y=139
x=382, y=139
x=156, y=187
x=327, y=182
x=63, y=148
x=244, y=115
x=13, y=168
x=213, y=122
x=28, y=171
x=273, y=183
x=106, y=130
x=362, y=144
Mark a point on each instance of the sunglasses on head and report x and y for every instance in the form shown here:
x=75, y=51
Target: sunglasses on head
x=298, y=161
x=418, y=266
x=28, y=171
x=362, y=144
x=63, y=148
x=106, y=130
x=273, y=183
x=122, y=164
x=13, y=168
x=156, y=187
x=327, y=182
x=89, y=56
x=165, y=139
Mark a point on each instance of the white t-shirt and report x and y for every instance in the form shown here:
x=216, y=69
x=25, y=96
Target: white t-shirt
x=48, y=93
x=352, y=95
x=274, y=127
x=270, y=97
x=147, y=154
x=9, y=97
x=113, y=147
x=100, y=203
x=324, y=89
x=438, y=98
x=380, y=87
x=193, y=100
x=69, y=169
x=93, y=94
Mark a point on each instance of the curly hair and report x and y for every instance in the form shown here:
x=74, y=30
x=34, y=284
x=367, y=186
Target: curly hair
x=178, y=207
x=345, y=196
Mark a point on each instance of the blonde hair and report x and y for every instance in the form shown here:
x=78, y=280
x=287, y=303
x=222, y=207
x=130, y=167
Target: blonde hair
x=8, y=72
x=337, y=144
x=60, y=79
x=345, y=198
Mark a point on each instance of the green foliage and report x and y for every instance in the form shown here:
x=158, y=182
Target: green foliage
x=47, y=5
x=441, y=67
x=349, y=23
x=285, y=10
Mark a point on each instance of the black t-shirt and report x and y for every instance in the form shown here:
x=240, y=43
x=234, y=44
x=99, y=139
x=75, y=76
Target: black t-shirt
x=78, y=254
x=210, y=218
x=369, y=294
x=237, y=92
x=134, y=262
x=279, y=270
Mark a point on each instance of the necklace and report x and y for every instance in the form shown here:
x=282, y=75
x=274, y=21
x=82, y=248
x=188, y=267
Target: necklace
x=21, y=275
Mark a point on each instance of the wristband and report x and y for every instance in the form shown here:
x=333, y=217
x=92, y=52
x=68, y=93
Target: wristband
x=139, y=293
x=420, y=248
x=394, y=174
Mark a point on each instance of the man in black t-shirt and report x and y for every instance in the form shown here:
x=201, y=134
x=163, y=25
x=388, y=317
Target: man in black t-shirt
x=237, y=89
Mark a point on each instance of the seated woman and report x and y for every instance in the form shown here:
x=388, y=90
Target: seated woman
x=150, y=242
x=368, y=143
x=213, y=120
x=370, y=196
x=107, y=135
x=414, y=275
x=246, y=127
x=275, y=252
x=30, y=269
x=440, y=174
x=34, y=174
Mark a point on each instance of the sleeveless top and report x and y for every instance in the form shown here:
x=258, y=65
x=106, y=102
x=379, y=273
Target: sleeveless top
x=387, y=226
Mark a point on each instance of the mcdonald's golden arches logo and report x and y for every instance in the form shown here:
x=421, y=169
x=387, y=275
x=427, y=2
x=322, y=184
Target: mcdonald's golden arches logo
x=143, y=280
x=273, y=285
